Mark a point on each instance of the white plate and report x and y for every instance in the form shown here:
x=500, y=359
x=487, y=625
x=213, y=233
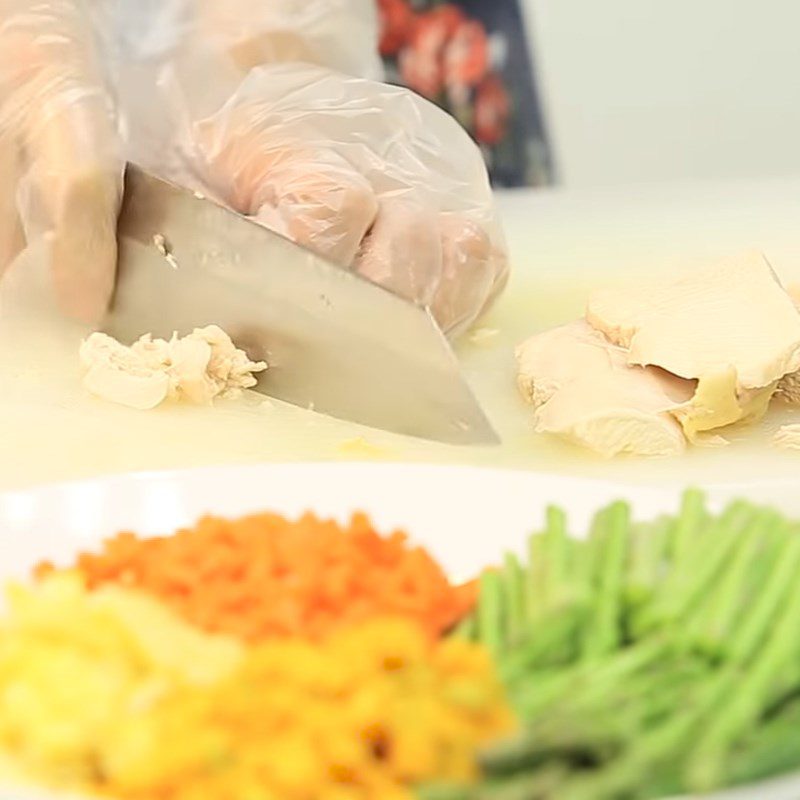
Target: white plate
x=467, y=517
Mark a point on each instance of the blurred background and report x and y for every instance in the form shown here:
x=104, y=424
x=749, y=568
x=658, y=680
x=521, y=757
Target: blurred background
x=624, y=91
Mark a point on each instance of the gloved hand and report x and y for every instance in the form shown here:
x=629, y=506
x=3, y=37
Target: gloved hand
x=60, y=165
x=369, y=175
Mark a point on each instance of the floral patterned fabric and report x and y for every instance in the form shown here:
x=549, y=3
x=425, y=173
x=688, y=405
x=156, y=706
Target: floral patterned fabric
x=471, y=57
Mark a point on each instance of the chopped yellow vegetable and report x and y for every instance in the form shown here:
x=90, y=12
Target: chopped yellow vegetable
x=368, y=714
x=75, y=666
x=96, y=696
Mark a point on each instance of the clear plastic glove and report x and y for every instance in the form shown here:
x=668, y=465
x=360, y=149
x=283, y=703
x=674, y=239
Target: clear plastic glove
x=61, y=160
x=369, y=175
x=60, y=165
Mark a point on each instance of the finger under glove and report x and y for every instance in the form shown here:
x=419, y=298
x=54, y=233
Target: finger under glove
x=403, y=250
x=313, y=196
x=368, y=175
x=474, y=271
x=56, y=116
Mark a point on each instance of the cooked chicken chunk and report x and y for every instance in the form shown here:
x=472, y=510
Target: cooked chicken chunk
x=583, y=389
x=732, y=314
x=197, y=368
x=789, y=386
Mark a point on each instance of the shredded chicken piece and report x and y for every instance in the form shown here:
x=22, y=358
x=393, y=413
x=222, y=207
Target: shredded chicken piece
x=196, y=368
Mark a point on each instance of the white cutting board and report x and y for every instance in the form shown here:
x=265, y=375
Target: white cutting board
x=562, y=244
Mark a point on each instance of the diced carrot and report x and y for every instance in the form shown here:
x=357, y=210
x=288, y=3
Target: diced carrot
x=264, y=576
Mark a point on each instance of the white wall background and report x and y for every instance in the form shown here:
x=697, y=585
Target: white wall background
x=642, y=90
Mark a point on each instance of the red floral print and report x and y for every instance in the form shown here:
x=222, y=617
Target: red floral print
x=492, y=111
x=444, y=55
x=466, y=58
x=422, y=61
x=397, y=22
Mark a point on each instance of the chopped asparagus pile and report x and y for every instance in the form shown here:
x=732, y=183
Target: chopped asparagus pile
x=647, y=660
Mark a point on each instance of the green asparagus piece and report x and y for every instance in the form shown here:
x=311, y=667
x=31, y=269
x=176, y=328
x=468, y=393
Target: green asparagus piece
x=714, y=556
x=709, y=626
x=648, y=660
x=535, y=597
x=764, y=677
x=648, y=559
x=491, y=611
x=665, y=744
x=556, y=553
x=771, y=749
x=553, y=642
x=689, y=579
x=514, y=603
x=649, y=754
x=689, y=527
x=755, y=625
x=605, y=631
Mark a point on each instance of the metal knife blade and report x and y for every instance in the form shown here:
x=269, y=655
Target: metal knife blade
x=334, y=341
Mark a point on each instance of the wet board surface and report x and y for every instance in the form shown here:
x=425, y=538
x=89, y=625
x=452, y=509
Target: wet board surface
x=562, y=245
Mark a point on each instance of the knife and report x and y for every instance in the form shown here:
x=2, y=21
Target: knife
x=334, y=341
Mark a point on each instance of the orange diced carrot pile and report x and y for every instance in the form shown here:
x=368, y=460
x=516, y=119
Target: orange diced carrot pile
x=264, y=576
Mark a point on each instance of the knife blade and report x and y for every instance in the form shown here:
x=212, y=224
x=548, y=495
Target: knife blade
x=334, y=341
